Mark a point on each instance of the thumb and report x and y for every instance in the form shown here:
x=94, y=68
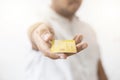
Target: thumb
x=47, y=36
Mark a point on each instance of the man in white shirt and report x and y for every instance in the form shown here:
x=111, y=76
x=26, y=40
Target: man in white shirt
x=60, y=22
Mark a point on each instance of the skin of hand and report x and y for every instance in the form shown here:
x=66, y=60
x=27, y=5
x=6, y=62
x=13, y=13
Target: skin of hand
x=101, y=72
x=44, y=34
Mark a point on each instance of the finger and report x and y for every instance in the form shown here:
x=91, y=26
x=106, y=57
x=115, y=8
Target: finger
x=54, y=56
x=57, y=55
x=46, y=32
x=81, y=46
x=62, y=55
x=39, y=42
x=47, y=37
x=78, y=38
x=70, y=54
x=75, y=37
x=47, y=53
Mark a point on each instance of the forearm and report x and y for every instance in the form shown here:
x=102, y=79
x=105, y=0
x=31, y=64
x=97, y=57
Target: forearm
x=101, y=72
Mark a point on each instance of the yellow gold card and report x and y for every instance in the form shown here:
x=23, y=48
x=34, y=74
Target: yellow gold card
x=66, y=46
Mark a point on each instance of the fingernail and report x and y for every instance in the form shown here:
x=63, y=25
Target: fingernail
x=84, y=46
x=62, y=57
x=45, y=36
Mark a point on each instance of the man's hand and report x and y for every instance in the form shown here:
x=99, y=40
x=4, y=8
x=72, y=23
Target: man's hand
x=79, y=44
x=44, y=34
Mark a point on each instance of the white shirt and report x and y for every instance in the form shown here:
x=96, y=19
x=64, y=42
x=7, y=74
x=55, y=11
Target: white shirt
x=82, y=66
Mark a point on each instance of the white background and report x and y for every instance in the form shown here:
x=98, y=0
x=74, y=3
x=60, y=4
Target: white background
x=17, y=15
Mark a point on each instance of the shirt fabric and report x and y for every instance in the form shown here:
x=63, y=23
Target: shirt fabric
x=81, y=66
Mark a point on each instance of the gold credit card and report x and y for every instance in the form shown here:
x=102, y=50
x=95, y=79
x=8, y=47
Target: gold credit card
x=66, y=46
